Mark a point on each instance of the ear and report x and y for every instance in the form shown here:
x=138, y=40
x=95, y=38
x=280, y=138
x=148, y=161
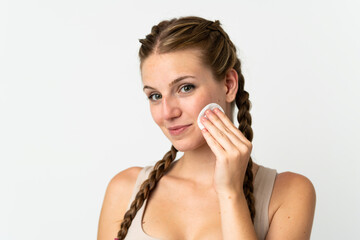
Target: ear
x=231, y=84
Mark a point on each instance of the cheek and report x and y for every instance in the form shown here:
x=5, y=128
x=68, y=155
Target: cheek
x=198, y=103
x=155, y=115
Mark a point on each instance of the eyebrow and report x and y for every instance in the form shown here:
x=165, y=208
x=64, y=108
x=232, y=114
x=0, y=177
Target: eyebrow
x=173, y=82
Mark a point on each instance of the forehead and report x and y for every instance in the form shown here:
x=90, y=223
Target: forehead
x=168, y=66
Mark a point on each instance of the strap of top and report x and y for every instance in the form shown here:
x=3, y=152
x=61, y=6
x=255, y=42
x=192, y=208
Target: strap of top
x=263, y=187
x=143, y=175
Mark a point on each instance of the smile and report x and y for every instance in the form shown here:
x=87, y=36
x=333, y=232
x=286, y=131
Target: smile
x=178, y=130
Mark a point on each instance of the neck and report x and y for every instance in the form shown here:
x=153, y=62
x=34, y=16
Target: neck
x=196, y=166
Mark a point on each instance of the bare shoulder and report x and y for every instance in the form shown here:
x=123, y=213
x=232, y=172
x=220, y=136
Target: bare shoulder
x=124, y=181
x=120, y=188
x=116, y=200
x=292, y=207
x=289, y=185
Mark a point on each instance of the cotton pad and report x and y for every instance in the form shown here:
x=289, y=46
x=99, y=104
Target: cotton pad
x=202, y=113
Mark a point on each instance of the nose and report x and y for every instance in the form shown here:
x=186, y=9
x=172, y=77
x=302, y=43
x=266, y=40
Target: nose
x=170, y=108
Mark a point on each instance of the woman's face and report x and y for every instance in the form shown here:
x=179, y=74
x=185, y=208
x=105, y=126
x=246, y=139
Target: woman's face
x=178, y=86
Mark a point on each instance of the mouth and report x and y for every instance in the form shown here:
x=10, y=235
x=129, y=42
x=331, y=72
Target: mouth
x=177, y=130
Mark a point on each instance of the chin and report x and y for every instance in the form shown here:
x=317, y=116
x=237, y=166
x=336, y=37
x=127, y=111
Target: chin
x=185, y=145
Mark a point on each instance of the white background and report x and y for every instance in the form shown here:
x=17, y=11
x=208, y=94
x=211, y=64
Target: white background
x=72, y=112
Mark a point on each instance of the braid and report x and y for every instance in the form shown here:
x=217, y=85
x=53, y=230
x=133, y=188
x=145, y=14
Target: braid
x=146, y=187
x=244, y=118
x=215, y=26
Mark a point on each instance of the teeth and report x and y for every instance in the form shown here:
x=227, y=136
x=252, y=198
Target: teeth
x=202, y=113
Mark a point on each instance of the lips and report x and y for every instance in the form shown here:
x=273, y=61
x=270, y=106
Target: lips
x=178, y=127
x=177, y=130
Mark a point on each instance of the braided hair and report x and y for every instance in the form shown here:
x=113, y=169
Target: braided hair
x=218, y=52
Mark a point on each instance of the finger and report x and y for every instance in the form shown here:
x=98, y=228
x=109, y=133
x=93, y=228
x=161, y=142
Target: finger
x=213, y=144
x=220, y=136
x=233, y=134
x=230, y=125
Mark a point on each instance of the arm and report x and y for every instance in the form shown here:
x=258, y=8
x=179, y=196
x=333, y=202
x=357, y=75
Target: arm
x=232, y=151
x=117, y=197
x=235, y=217
x=294, y=195
x=294, y=201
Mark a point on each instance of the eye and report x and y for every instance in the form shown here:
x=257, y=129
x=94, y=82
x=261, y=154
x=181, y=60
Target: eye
x=188, y=87
x=157, y=96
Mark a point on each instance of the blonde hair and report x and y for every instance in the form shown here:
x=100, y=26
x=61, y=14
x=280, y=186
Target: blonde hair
x=217, y=52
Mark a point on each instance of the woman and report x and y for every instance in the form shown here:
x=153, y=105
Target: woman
x=214, y=191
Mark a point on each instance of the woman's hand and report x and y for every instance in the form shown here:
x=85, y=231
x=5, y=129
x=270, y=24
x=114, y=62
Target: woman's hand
x=232, y=150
